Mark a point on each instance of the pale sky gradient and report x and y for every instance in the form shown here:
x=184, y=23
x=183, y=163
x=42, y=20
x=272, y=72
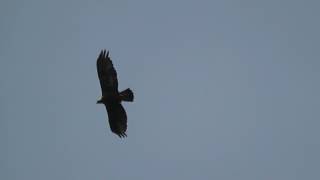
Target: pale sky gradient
x=225, y=89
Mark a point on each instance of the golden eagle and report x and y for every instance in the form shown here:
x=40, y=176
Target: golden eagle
x=111, y=97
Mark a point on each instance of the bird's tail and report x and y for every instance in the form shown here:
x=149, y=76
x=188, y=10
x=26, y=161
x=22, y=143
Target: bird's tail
x=126, y=95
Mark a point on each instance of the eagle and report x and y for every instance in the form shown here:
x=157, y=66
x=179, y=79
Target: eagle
x=111, y=97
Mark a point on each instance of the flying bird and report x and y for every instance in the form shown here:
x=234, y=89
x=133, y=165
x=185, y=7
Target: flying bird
x=111, y=97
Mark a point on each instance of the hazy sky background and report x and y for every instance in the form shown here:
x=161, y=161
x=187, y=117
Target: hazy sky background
x=224, y=89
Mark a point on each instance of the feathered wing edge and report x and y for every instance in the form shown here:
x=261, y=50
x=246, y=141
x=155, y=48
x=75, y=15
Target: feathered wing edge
x=117, y=119
x=107, y=74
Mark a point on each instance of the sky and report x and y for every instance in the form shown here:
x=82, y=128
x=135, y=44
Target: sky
x=224, y=89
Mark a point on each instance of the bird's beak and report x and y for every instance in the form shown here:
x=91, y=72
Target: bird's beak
x=99, y=101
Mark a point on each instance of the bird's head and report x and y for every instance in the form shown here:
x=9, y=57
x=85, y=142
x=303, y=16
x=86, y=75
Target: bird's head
x=100, y=101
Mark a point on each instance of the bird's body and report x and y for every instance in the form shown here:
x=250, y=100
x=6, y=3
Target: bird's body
x=111, y=97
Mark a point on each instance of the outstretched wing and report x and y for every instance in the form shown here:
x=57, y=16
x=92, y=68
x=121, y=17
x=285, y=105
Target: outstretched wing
x=107, y=74
x=117, y=119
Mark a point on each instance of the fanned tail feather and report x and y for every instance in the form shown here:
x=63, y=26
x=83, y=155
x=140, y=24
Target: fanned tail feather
x=127, y=95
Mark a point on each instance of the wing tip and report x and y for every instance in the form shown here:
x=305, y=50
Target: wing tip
x=104, y=53
x=122, y=135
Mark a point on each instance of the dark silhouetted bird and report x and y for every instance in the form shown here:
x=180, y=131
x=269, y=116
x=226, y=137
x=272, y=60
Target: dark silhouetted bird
x=111, y=97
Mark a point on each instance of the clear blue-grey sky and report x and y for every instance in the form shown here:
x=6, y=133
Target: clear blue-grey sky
x=224, y=89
